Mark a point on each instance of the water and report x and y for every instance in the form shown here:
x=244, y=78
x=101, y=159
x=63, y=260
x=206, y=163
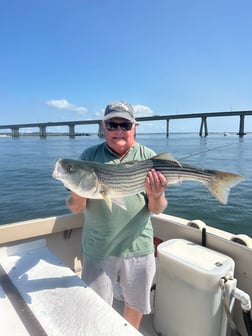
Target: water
x=28, y=190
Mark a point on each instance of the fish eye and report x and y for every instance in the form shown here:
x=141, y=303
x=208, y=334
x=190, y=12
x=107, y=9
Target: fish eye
x=70, y=168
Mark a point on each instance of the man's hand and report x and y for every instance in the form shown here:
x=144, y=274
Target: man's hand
x=76, y=203
x=155, y=185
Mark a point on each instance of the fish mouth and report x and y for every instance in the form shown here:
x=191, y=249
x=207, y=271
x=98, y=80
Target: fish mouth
x=58, y=171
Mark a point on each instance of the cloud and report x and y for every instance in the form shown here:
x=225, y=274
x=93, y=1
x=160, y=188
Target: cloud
x=142, y=111
x=63, y=104
x=99, y=114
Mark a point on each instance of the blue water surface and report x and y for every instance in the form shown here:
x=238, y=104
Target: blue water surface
x=28, y=190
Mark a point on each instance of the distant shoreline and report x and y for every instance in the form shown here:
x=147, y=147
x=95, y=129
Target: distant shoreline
x=37, y=134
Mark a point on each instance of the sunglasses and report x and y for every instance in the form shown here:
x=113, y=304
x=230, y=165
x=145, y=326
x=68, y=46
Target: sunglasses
x=124, y=126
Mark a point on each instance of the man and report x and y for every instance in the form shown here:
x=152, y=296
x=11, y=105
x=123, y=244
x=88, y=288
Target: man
x=119, y=244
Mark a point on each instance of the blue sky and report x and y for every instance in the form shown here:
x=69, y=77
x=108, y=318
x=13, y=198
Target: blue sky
x=65, y=60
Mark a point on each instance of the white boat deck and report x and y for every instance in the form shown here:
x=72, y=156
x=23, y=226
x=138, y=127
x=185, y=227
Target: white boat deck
x=146, y=327
x=57, y=298
x=9, y=320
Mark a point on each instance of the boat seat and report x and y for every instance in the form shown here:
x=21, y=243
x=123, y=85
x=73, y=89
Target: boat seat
x=54, y=296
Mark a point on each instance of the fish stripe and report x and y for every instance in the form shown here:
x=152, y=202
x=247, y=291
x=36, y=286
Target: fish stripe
x=99, y=180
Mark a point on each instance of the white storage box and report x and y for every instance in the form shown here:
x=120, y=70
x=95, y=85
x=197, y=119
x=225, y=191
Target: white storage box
x=188, y=296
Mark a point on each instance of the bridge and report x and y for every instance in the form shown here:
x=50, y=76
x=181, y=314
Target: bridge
x=203, y=131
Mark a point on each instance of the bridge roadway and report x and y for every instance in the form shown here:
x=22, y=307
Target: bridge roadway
x=71, y=124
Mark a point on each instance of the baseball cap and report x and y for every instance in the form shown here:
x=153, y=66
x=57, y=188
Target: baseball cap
x=119, y=109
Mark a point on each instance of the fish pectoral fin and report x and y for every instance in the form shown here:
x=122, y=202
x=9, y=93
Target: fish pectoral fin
x=166, y=157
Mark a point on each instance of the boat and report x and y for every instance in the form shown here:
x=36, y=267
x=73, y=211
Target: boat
x=203, y=283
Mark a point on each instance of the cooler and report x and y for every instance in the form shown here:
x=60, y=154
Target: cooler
x=188, y=297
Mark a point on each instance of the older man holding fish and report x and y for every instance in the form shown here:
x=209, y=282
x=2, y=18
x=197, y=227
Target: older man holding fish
x=117, y=241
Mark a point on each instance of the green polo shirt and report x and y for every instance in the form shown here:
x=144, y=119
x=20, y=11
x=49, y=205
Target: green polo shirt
x=117, y=233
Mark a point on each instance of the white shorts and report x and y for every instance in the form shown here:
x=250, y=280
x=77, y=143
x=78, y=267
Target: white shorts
x=134, y=274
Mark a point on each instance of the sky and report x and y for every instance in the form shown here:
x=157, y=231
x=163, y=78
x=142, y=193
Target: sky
x=66, y=60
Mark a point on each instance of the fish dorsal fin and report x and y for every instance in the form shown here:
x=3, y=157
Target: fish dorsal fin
x=166, y=157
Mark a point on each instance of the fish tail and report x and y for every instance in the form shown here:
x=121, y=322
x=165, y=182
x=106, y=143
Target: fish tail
x=221, y=184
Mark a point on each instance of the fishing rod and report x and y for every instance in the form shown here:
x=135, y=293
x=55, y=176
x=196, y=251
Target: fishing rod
x=205, y=151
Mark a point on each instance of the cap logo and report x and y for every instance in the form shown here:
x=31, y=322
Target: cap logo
x=119, y=109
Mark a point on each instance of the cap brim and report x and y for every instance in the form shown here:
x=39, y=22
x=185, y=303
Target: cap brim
x=118, y=115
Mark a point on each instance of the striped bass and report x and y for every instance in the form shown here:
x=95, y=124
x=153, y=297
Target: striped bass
x=112, y=182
